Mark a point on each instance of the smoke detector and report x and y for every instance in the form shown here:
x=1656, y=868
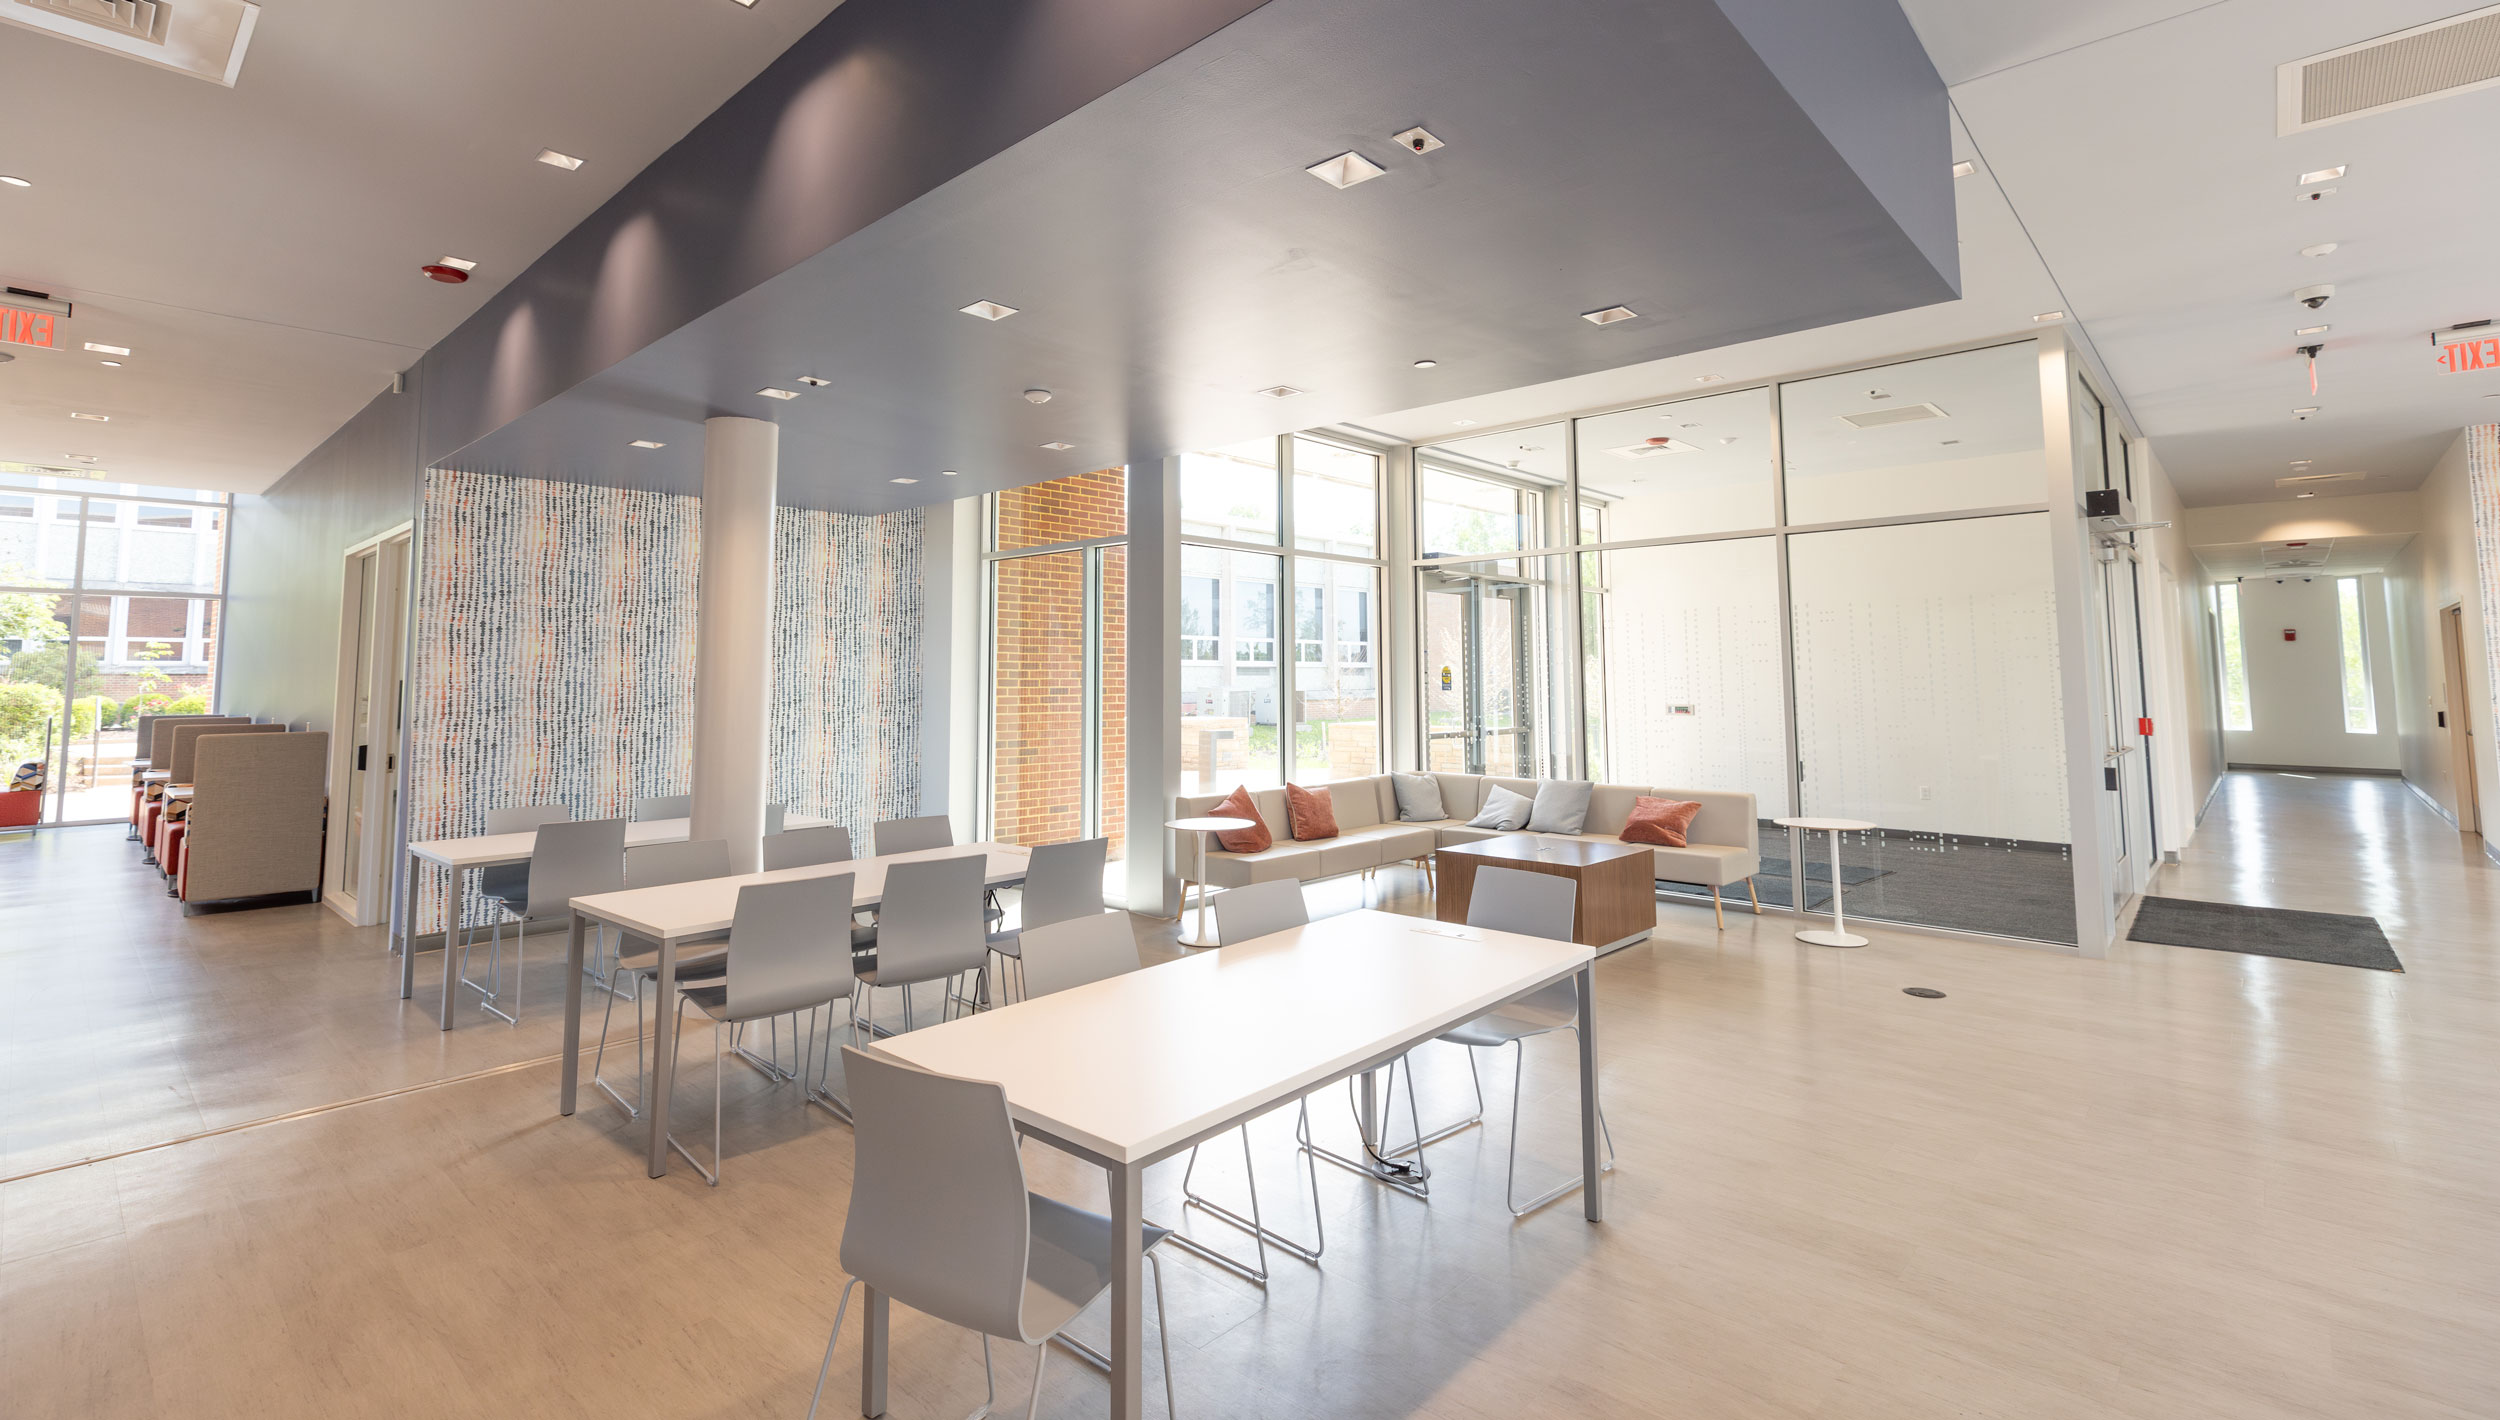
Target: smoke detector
x=202, y=38
x=1652, y=448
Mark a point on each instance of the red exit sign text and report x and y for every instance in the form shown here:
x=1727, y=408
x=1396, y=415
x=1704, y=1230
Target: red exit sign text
x=42, y=328
x=2471, y=355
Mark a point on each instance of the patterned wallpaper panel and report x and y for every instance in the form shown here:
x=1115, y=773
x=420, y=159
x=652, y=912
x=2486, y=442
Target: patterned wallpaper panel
x=2482, y=489
x=554, y=657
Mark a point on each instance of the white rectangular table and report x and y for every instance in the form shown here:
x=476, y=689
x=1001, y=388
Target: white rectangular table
x=489, y=850
x=1132, y=1070
x=671, y=914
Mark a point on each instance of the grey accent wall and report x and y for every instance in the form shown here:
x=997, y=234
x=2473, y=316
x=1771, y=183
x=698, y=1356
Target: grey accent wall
x=280, y=658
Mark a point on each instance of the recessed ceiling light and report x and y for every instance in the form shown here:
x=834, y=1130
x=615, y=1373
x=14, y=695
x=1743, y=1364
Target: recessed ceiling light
x=1461, y=423
x=15, y=181
x=110, y=364
x=2320, y=249
x=2302, y=463
x=2313, y=330
x=1610, y=315
x=1964, y=169
x=93, y=418
x=2321, y=175
x=1345, y=170
x=769, y=392
x=1708, y=379
x=83, y=458
x=2311, y=494
x=989, y=310
x=2046, y=316
x=1058, y=446
x=2306, y=409
x=458, y=263
x=904, y=480
x=103, y=349
x=746, y=4
x=948, y=473
x=648, y=444
x=1427, y=364
x=1282, y=391
x=554, y=159
x=816, y=381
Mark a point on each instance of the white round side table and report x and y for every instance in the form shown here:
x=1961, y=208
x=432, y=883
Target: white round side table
x=1839, y=935
x=1202, y=827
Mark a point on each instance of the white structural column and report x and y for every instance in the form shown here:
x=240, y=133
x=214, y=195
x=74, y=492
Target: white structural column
x=733, y=635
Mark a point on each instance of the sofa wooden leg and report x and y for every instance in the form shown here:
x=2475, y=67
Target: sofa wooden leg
x=1717, y=909
x=1756, y=896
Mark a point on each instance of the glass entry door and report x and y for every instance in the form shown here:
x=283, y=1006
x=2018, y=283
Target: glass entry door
x=1479, y=714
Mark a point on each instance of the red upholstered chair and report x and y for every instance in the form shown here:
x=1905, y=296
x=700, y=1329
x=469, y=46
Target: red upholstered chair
x=169, y=857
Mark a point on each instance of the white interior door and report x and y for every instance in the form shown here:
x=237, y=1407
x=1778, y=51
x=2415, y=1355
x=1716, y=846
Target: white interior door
x=364, y=742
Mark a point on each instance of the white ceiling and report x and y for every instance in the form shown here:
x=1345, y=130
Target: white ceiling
x=2331, y=556
x=257, y=248
x=2128, y=174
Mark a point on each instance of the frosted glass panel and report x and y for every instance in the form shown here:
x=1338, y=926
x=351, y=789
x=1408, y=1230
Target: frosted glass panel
x=1684, y=686
x=1928, y=704
x=1929, y=436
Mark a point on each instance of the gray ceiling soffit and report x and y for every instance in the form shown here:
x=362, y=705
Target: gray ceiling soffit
x=883, y=101
x=1170, y=257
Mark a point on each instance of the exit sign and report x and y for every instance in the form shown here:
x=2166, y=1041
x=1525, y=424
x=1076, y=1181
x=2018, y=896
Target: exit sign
x=2470, y=355
x=41, y=329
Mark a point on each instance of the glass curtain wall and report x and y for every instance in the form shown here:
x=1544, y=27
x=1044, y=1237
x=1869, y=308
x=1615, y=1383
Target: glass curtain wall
x=1057, y=563
x=110, y=596
x=1832, y=593
x=1280, y=614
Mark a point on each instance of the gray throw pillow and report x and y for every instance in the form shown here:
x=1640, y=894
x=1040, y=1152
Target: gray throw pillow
x=1562, y=806
x=1503, y=810
x=1419, y=798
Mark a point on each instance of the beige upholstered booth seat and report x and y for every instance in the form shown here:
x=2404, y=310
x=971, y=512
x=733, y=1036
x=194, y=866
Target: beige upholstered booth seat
x=1368, y=836
x=256, y=820
x=1723, y=844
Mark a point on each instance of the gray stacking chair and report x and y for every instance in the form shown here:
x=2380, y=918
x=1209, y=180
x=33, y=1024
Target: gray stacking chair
x=570, y=860
x=807, y=847
x=779, y=963
x=1077, y=951
x=1241, y=914
x=1532, y=905
x=940, y=1221
x=775, y=816
x=910, y=835
x=1063, y=881
x=512, y=880
x=929, y=930
x=664, y=806
x=655, y=865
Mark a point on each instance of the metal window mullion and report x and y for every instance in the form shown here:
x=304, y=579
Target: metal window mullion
x=1288, y=617
x=69, y=676
x=1794, y=772
x=1090, y=756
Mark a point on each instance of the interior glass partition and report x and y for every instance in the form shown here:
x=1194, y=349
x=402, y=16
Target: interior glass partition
x=1832, y=593
x=110, y=596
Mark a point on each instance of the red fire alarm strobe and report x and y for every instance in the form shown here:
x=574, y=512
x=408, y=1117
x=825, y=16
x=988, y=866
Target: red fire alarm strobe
x=2290, y=635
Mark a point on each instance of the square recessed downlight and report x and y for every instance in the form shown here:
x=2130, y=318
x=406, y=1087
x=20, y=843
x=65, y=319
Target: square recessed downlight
x=2306, y=409
x=1282, y=391
x=103, y=349
x=1610, y=315
x=2046, y=316
x=458, y=263
x=989, y=310
x=815, y=381
x=1462, y=423
x=949, y=473
x=1345, y=170
x=1058, y=446
x=1964, y=169
x=92, y=418
x=554, y=159
x=904, y=480
x=769, y=392
x=2313, y=330
x=2321, y=175
x=648, y=444
x=1708, y=379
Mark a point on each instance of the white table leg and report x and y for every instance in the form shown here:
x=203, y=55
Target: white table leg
x=573, y=935
x=1128, y=1312
x=1197, y=937
x=663, y=1049
x=1839, y=934
x=408, y=934
x=451, y=958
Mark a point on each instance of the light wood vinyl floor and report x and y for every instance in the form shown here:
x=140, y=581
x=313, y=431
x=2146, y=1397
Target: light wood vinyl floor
x=2172, y=1184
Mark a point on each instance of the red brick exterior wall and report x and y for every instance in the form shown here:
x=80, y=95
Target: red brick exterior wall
x=1037, y=744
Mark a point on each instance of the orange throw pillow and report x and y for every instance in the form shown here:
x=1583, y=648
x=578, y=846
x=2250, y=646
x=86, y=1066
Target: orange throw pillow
x=1254, y=839
x=1312, y=813
x=1659, y=821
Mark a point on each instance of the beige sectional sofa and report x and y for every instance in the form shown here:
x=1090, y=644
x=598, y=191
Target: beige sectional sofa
x=1724, y=841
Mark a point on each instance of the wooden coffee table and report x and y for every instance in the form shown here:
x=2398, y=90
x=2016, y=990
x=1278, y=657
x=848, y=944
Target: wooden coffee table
x=1617, y=903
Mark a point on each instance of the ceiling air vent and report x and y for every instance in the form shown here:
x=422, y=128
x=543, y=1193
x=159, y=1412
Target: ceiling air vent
x=2456, y=55
x=1900, y=414
x=2308, y=480
x=202, y=38
x=1654, y=448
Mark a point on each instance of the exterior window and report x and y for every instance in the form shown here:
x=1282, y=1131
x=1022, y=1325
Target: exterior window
x=1354, y=628
x=1310, y=623
x=155, y=517
x=2234, y=658
x=1255, y=641
x=1202, y=618
x=2360, y=707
